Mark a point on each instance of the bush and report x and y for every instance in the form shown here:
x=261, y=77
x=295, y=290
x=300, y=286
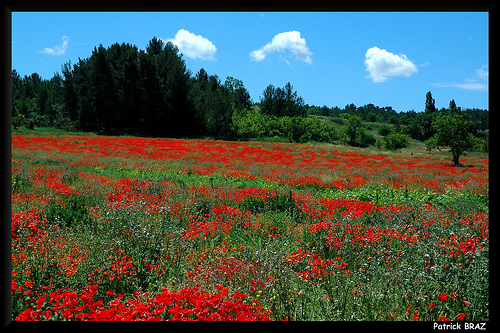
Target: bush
x=396, y=141
x=253, y=124
x=365, y=138
x=384, y=130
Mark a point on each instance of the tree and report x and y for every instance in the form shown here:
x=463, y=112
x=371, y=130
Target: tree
x=70, y=99
x=282, y=102
x=218, y=117
x=149, y=94
x=430, y=103
x=175, y=80
x=452, y=131
x=155, y=46
x=294, y=104
x=267, y=100
x=104, y=90
x=353, y=126
x=453, y=106
x=239, y=94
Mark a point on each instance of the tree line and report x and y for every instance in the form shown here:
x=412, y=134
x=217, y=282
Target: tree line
x=124, y=90
x=417, y=125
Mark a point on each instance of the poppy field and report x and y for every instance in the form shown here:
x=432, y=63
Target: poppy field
x=129, y=228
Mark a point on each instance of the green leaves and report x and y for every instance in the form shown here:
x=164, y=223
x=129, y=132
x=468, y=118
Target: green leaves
x=452, y=131
x=282, y=101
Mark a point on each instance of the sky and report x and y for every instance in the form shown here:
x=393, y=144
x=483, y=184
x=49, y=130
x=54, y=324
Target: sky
x=330, y=58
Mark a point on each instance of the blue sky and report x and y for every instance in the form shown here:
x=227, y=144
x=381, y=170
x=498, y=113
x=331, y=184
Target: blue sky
x=331, y=58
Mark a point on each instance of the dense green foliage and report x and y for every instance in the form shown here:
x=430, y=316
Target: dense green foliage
x=254, y=124
x=396, y=140
x=124, y=90
x=282, y=102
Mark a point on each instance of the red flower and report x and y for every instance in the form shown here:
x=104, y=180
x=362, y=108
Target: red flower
x=430, y=306
x=39, y=302
x=461, y=316
x=415, y=315
x=443, y=297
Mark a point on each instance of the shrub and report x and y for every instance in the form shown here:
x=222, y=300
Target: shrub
x=396, y=141
x=384, y=130
x=365, y=138
x=253, y=124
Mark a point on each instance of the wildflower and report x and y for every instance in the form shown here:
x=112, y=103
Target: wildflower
x=430, y=306
x=408, y=310
x=442, y=297
x=461, y=316
x=39, y=302
x=415, y=315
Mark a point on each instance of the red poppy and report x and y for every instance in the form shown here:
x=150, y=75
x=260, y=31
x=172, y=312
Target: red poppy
x=461, y=316
x=430, y=306
x=415, y=315
x=443, y=297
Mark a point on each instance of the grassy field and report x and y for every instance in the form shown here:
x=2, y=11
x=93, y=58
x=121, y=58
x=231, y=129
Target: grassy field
x=127, y=228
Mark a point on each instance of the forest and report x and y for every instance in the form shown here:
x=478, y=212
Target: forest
x=126, y=90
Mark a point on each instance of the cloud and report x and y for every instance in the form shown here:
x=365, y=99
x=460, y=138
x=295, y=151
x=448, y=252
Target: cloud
x=194, y=46
x=381, y=64
x=465, y=86
x=478, y=82
x=57, y=50
x=286, y=41
x=481, y=73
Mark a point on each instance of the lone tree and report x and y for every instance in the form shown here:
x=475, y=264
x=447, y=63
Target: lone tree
x=353, y=129
x=452, y=131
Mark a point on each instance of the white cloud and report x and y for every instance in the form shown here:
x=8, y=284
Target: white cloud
x=194, y=46
x=381, y=64
x=285, y=41
x=465, y=86
x=478, y=82
x=481, y=73
x=57, y=50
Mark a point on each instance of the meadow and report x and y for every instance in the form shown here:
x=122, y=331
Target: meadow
x=129, y=228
